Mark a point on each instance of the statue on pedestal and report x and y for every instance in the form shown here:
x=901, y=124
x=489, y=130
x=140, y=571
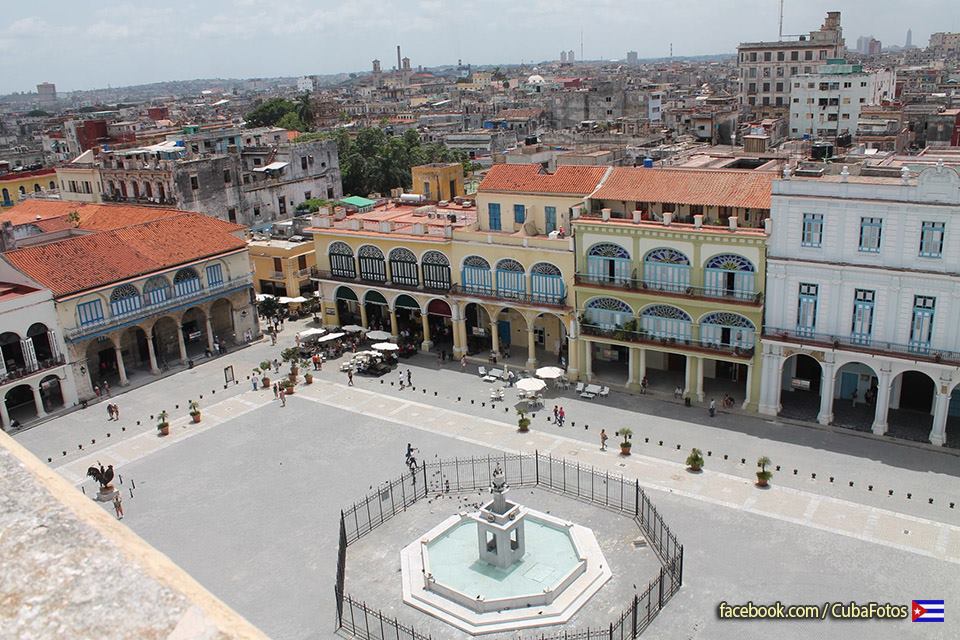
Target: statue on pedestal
x=104, y=477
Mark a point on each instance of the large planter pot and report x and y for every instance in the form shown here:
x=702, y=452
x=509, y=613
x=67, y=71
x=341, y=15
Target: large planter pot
x=196, y=417
x=308, y=379
x=164, y=430
x=624, y=449
x=761, y=480
x=288, y=391
x=265, y=382
x=695, y=468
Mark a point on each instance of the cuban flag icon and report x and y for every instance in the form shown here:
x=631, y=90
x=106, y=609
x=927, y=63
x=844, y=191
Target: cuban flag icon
x=927, y=611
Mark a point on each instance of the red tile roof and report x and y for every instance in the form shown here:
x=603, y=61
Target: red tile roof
x=86, y=262
x=31, y=210
x=525, y=114
x=530, y=178
x=93, y=216
x=724, y=188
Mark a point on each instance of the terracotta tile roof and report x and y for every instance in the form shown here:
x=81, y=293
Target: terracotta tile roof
x=724, y=188
x=31, y=210
x=86, y=262
x=526, y=113
x=530, y=178
x=51, y=215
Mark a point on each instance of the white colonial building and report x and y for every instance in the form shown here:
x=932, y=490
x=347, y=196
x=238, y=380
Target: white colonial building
x=828, y=103
x=863, y=296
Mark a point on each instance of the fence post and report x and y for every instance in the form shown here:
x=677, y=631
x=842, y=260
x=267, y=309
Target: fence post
x=681, y=566
x=660, y=601
x=424, y=466
x=636, y=507
x=611, y=631
x=536, y=459
x=636, y=603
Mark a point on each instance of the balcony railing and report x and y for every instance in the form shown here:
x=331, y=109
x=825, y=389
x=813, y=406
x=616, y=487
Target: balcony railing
x=537, y=299
x=735, y=296
x=28, y=370
x=915, y=351
x=687, y=343
x=321, y=274
x=152, y=309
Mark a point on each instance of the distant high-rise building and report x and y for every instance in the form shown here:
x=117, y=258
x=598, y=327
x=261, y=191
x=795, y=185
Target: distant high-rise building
x=909, y=42
x=406, y=64
x=570, y=57
x=47, y=93
x=632, y=58
x=563, y=57
x=376, y=66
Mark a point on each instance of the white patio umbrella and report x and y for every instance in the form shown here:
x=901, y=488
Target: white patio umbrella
x=331, y=336
x=263, y=296
x=531, y=384
x=298, y=299
x=353, y=328
x=549, y=373
x=386, y=346
x=309, y=333
x=379, y=335
x=284, y=300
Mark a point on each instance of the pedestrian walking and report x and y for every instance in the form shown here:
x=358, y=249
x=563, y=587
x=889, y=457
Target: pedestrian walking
x=603, y=439
x=110, y=411
x=409, y=383
x=276, y=365
x=254, y=380
x=713, y=407
x=96, y=390
x=283, y=397
x=400, y=378
x=410, y=450
x=118, y=506
x=106, y=388
x=349, y=377
x=273, y=339
x=463, y=362
x=562, y=415
x=316, y=362
x=116, y=412
x=677, y=392
x=276, y=391
x=643, y=384
x=556, y=414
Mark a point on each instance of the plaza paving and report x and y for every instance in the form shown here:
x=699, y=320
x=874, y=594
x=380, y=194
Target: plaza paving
x=261, y=534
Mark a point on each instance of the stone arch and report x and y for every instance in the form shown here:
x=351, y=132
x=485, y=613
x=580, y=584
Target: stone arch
x=477, y=322
x=53, y=185
x=404, y=268
x=44, y=346
x=124, y=300
x=37, y=188
x=729, y=274
x=405, y=301
x=666, y=269
x=51, y=393
x=21, y=404
x=727, y=329
x=546, y=283
x=348, y=305
x=165, y=340
x=666, y=321
x=11, y=352
x=134, y=349
x=607, y=313
x=194, y=323
x=221, y=321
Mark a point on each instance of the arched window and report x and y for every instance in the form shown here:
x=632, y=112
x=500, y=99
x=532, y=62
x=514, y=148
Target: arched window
x=546, y=283
x=156, y=290
x=727, y=329
x=341, y=260
x=666, y=269
x=666, y=321
x=511, y=279
x=608, y=263
x=23, y=190
x=53, y=185
x=43, y=342
x=372, y=265
x=186, y=282
x=37, y=188
x=607, y=313
x=124, y=300
x=436, y=271
x=476, y=275
x=728, y=274
x=6, y=197
x=403, y=267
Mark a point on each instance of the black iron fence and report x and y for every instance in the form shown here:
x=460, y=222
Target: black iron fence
x=461, y=475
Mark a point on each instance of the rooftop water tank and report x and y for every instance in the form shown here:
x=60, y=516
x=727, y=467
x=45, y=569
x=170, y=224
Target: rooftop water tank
x=648, y=163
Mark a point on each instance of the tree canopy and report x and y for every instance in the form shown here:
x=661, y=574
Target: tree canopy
x=280, y=112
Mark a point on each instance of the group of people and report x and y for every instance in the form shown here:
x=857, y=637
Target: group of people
x=404, y=380
x=559, y=415
x=113, y=411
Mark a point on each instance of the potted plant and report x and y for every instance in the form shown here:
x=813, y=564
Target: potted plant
x=695, y=460
x=265, y=368
x=162, y=425
x=763, y=475
x=194, y=410
x=288, y=386
x=523, y=422
x=625, y=444
x=308, y=378
x=292, y=355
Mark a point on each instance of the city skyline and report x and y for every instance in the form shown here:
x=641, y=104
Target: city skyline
x=121, y=44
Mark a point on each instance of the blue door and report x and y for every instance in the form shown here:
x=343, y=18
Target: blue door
x=503, y=330
x=849, y=382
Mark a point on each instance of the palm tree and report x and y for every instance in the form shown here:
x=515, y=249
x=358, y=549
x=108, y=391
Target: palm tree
x=304, y=109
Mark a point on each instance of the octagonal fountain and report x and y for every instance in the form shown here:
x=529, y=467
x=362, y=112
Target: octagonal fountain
x=503, y=567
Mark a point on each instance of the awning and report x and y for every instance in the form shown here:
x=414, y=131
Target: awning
x=273, y=166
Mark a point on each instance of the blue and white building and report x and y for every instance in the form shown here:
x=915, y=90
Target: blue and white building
x=863, y=296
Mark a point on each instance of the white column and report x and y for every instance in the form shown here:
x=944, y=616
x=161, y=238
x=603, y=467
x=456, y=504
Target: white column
x=120, y=368
x=770, y=378
x=494, y=337
x=748, y=394
x=573, y=358
x=209, y=334
x=394, y=330
x=531, y=349
x=632, y=368
x=642, y=373
x=4, y=416
x=588, y=359
x=425, y=323
x=689, y=364
x=38, y=400
x=154, y=369
x=826, y=393
x=700, y=395
x=182, y=344
x=941, y=406
x=883, y=403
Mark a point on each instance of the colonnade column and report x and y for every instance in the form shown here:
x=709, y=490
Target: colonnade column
x=38, y=400
x=531, y=348
x=770, y=377
x=941, y=407
x=4, y=415
x=632, y=367
x=883, y=403
x=151, y=352
x=181, y=343
x=688, y=373
x=427, y=343
x=495, y=338
x=826, y=392
x=748, y=394
x=588, y=359
x=573, y=358
x=700, y=394
x=363, y=315
x=394, y=331
x=209, y=334
x=120, y=368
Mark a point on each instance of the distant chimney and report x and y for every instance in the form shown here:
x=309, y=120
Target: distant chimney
x=733, y=223
x=667, y=218
x=604, y=214
x=698, y=221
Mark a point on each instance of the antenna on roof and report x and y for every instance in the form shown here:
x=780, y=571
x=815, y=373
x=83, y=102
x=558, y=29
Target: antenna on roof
x=781, y=21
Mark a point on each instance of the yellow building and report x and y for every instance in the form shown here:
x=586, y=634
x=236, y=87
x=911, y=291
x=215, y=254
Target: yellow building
x=14, y=186
x=79, y=180
x=453, y=278
x=282, y=267
x=438, y=181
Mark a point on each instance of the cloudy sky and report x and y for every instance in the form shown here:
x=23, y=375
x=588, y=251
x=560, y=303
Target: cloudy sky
x=84, y=45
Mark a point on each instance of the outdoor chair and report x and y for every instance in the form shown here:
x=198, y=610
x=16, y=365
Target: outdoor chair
x=482, y=371
x=579, y=387
x=604, y=392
